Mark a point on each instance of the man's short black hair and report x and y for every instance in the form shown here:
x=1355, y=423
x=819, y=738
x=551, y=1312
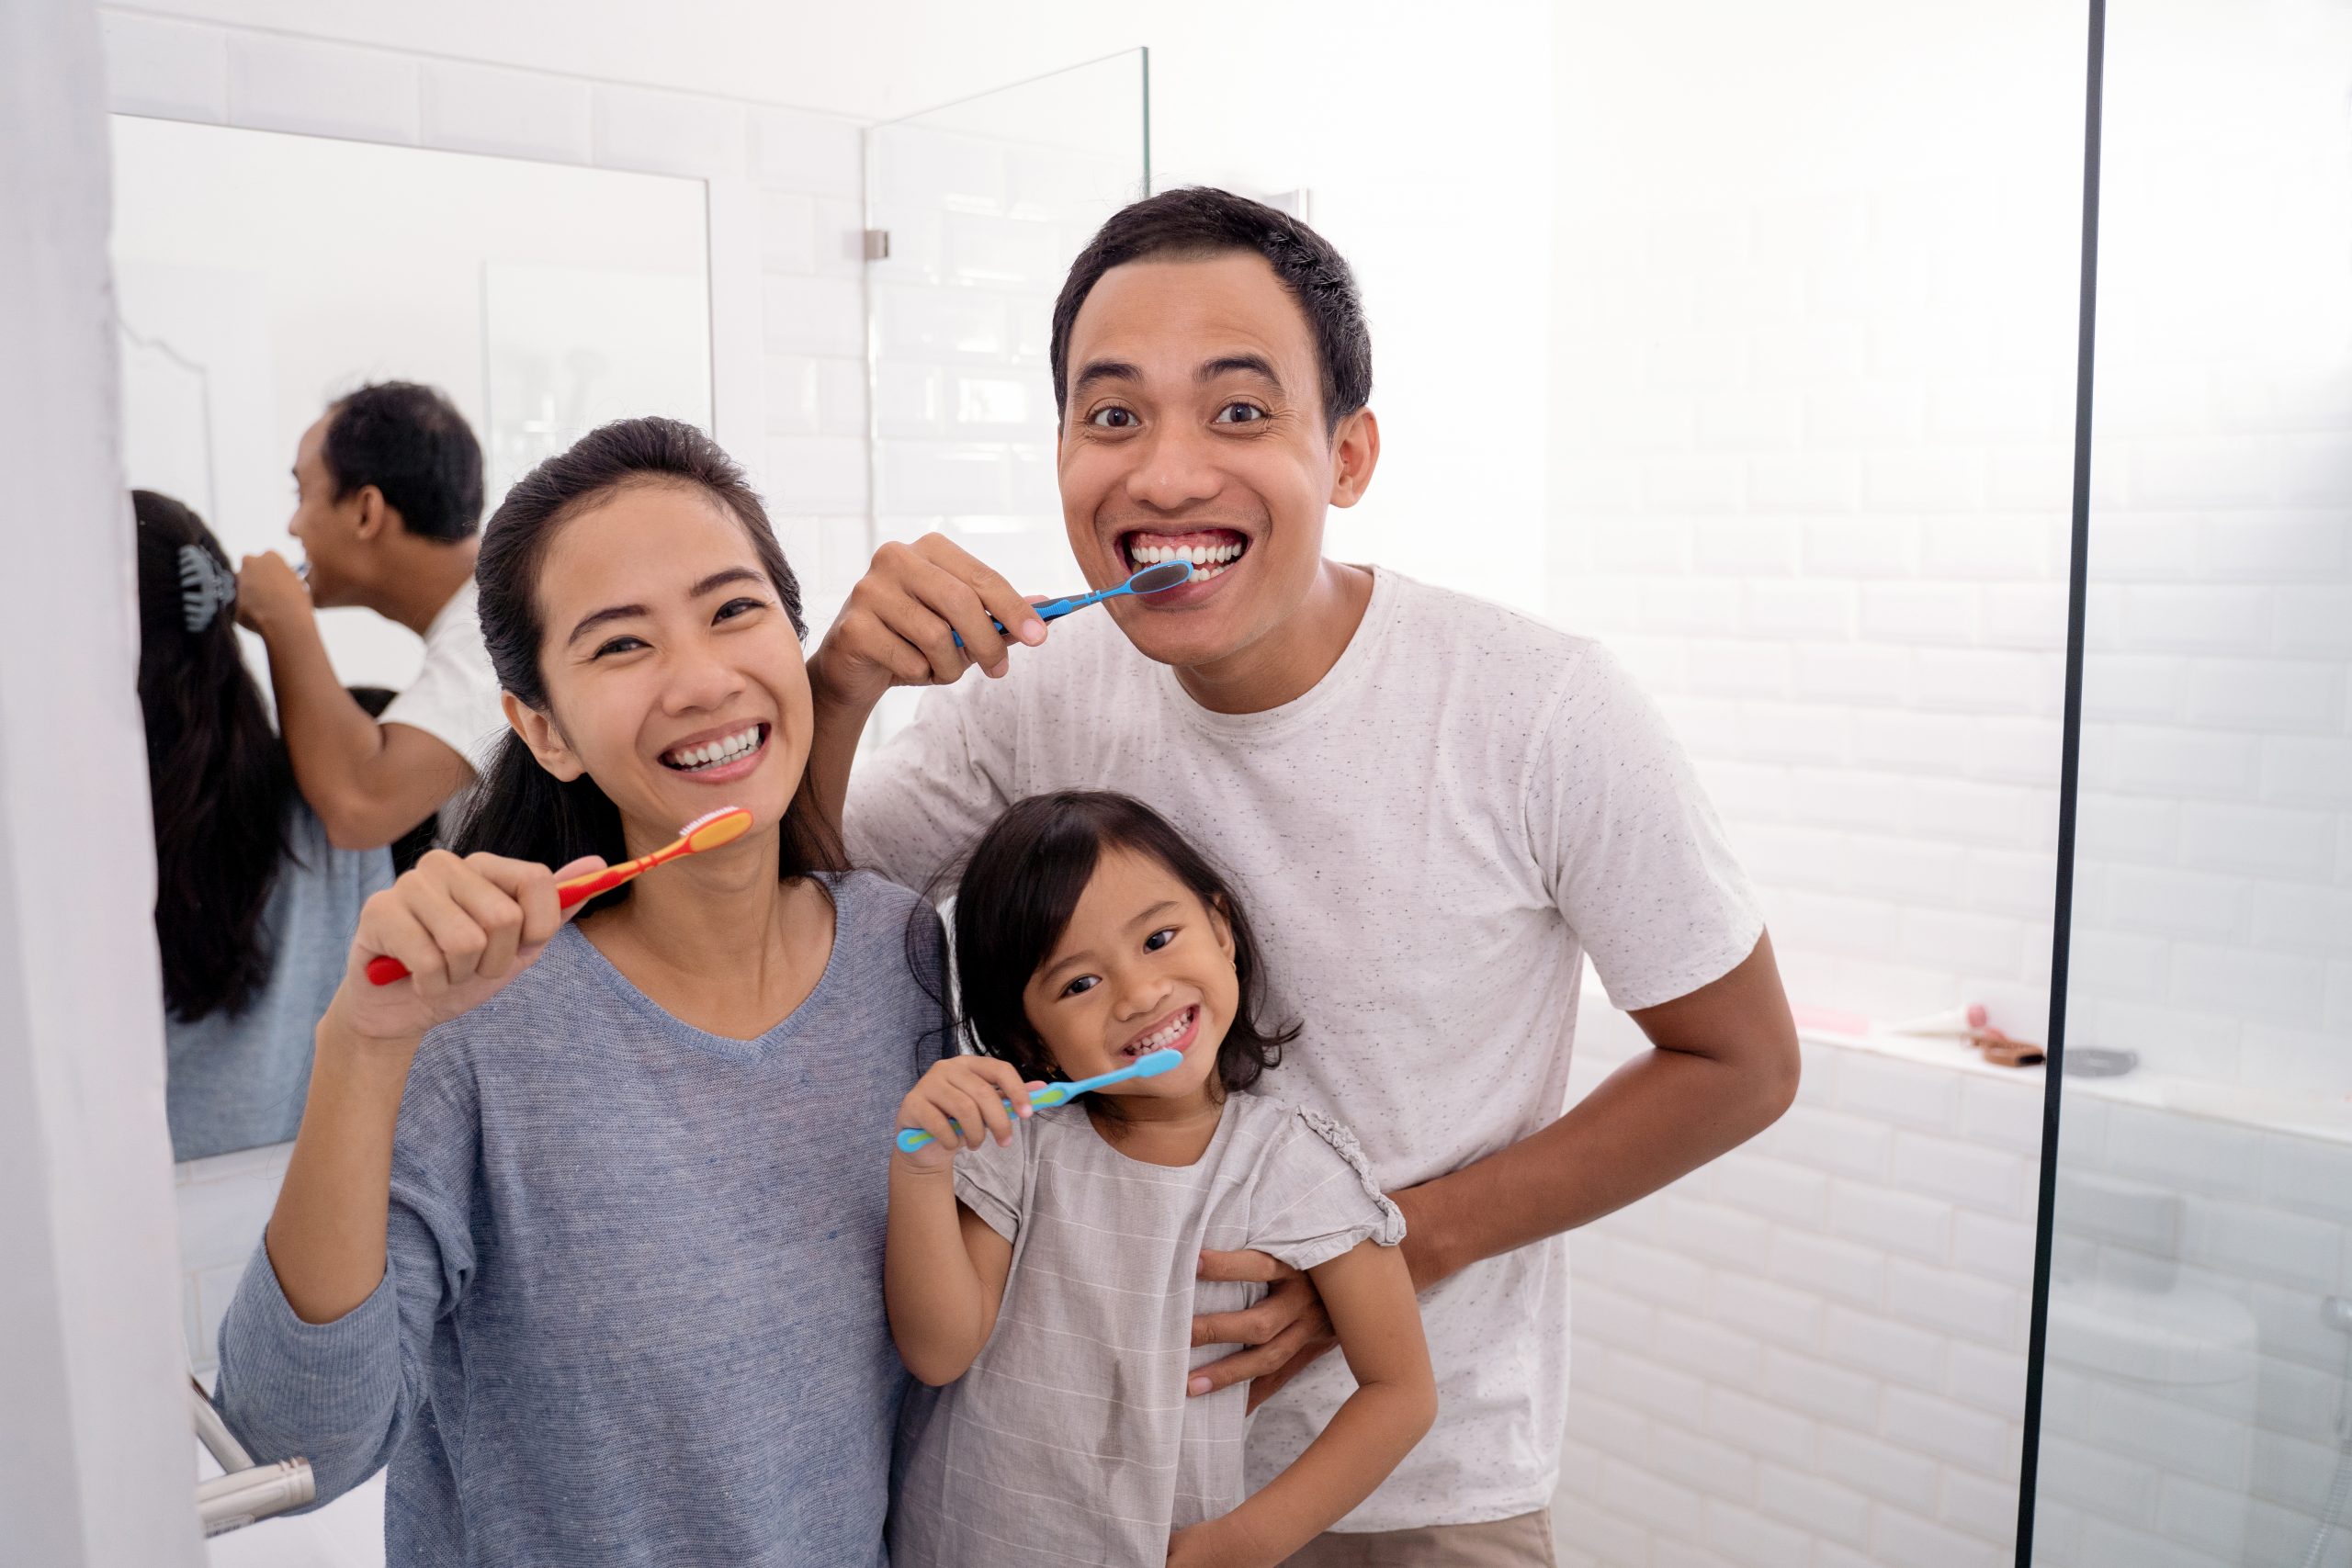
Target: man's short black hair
x=1195, y=221
x=411, y=443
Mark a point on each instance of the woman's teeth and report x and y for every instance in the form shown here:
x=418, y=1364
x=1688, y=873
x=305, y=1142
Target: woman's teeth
x=734, y=747
x=1166, y=1034
x=1208, y=561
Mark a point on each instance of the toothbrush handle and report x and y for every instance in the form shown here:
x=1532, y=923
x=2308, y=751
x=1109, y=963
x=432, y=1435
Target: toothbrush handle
x=913, y=1138
x=1052, y=610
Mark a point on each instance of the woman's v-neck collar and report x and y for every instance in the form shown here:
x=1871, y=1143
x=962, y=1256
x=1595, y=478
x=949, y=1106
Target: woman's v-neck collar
x=590, y=957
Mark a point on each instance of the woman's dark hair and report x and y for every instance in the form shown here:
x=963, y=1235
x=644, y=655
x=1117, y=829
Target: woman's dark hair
x=216, y=770
x=413, y=446
x=1195, y=221
x=518, y=809
x=1014, y=900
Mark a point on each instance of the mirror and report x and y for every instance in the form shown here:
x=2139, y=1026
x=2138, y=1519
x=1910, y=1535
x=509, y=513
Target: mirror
x=262, y=278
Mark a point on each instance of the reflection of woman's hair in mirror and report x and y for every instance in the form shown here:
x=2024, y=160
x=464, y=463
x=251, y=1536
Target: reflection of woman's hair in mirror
x=216, y=770
x=519, y=809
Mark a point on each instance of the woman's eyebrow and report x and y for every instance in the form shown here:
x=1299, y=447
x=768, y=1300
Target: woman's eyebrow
x=597, y=618
x=715, y=581
x=718, y=580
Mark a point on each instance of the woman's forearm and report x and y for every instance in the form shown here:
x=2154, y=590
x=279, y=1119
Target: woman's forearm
x=326, y=1235
x=939, y=1307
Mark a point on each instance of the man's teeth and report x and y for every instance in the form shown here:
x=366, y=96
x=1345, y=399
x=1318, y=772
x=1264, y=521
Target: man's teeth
x=1207, y=560
x=1166, y=1034
x=732, y=748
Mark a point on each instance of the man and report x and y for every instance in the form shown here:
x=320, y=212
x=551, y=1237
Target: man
x=388, y=493
x=1436, y=809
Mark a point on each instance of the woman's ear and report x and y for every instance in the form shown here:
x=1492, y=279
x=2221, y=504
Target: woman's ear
x=539, y=733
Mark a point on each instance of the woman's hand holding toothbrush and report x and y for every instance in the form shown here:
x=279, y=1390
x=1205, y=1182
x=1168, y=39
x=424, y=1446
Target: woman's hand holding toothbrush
x=464, y=928
x=971, y=1092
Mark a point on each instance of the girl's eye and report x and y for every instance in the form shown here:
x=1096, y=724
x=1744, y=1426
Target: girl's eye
x=1160, y=939
x=734, y=607
x=1112, y=418
x=618, y=645
x=1084, y=983
x=1239, y=413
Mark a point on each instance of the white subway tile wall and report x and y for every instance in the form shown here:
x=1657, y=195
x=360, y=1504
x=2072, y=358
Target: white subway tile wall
x=1812, y=1351
x=982, y=229
x=1818, y=500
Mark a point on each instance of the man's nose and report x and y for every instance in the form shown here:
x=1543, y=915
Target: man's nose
x=1174, y=469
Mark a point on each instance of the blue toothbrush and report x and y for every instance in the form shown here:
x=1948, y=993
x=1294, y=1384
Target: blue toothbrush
x=1151, y=579
x=1150, y=1064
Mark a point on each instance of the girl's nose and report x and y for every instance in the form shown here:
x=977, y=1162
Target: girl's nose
x=1144, y=998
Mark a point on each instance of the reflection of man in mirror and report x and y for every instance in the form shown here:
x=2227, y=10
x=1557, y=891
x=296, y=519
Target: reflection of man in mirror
x=389, y=503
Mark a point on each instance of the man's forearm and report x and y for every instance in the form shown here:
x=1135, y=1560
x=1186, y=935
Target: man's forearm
x=329, y=737
x=1657, y=1118
x=836, y=728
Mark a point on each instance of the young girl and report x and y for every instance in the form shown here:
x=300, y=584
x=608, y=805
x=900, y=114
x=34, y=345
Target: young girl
x=1047, y=1277
x=582, y=1231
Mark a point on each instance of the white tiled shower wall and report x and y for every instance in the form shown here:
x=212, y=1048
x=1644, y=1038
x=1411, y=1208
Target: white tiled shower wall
x=2216, y=877
x=1811, y=1353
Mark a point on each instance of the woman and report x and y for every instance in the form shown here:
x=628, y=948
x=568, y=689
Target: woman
x=583, y=1233
x=253, y=908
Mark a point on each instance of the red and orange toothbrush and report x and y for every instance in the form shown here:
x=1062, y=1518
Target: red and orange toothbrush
x=723, y=825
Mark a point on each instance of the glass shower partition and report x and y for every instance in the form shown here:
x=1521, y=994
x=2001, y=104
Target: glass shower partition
x=2196, y=1386
x=974, y=212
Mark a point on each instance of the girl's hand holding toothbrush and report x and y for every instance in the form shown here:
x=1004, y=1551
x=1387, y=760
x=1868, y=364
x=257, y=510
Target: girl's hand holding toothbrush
x=463, y=927
x=969, y=1092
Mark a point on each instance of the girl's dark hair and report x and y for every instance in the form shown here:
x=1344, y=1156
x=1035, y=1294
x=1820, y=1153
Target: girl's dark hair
x=1021, y=884
x=518, y=809
x=216, y=773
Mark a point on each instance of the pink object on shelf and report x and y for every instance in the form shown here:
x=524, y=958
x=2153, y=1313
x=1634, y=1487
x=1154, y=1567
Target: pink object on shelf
x=1830, y=1022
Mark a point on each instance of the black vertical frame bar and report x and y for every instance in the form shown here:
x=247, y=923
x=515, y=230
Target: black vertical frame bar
x=2069, y=785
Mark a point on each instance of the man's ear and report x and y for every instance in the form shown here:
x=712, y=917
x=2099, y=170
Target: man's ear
x=539, y=733
x=373, y=514
x=1355, y=452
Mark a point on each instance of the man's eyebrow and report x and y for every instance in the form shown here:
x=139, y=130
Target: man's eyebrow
x=1104, y=371
x=716, y=579
x=1244, y=364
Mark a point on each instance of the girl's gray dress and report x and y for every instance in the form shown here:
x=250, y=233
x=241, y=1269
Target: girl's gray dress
x=1072, y=1441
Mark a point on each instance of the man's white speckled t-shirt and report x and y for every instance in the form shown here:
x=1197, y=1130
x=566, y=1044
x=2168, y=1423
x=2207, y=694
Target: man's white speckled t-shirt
x=1429, y=843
